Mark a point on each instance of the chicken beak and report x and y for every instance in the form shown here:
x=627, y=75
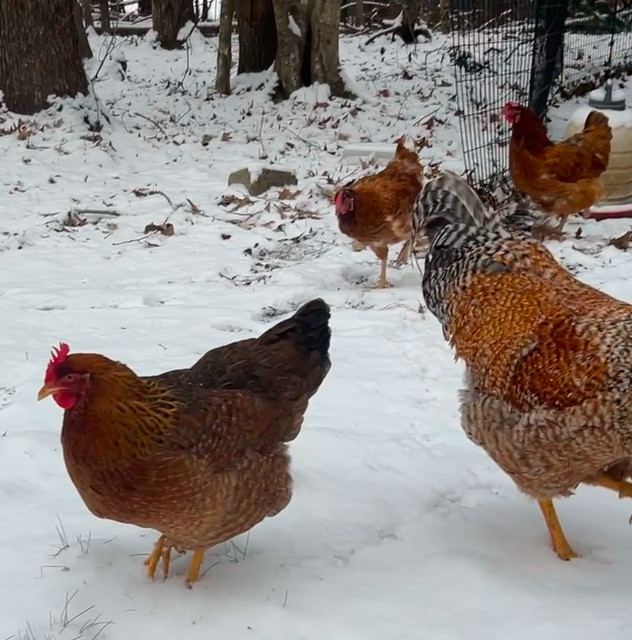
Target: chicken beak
x=46, y=390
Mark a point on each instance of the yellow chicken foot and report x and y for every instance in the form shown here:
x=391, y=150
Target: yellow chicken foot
x=404, y=254
x=193, y=574
x=382, y=282
x=558, y=539
x=162, y=550
x=382, y=253
x=623, y=488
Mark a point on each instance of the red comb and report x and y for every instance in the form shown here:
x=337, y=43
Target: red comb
x=57, y=356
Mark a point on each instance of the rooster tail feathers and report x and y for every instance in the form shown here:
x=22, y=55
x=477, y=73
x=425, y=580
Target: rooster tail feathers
x=448, y=200
x=308, y=329
x=596, y=119
x=406, y=152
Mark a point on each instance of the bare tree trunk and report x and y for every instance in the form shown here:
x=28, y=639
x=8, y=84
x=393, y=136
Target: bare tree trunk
x=169, y=17
x=325, y=56
x=444, y=15
x=104, y=13
x=39, y=53
x=84, y=46
x=224, y=52
x=205, y=8
x=307, y=51
x=86, y=9
x=359, y=13
x=144, y=7
x=257, y=35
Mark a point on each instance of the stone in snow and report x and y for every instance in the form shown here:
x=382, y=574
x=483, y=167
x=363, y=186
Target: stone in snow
x=258, y=179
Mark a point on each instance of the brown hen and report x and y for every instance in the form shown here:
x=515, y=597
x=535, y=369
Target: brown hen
x=376, y=210
x=199, y=454
x=548, y=358
x=562, y=178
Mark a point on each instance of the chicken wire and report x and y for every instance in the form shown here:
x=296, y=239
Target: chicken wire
x=491, y=52
x=528, y=52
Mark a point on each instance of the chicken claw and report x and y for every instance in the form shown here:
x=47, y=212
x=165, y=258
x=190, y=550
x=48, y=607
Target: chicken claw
x=193, y=575
x=162, y=550
x=560, y=544
x=623, y=488
x=404, y=255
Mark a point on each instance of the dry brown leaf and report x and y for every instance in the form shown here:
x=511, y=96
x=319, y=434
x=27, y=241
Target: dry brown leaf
x=234, y=199
x=73, y=219
x=194, y=208
x=226, y=136
x=24, y=133
x=621, y=242
x=165, y=229
x=288, y=194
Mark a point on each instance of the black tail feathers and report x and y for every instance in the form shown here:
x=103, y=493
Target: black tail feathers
x=308, y=328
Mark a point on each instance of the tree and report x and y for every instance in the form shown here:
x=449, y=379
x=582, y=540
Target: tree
x=257, y=35
x=224, y=52
x=104, y=16
x=84, y=46
x=169, y=17
x=307, y=45
x=39, y=53
x=144, y=7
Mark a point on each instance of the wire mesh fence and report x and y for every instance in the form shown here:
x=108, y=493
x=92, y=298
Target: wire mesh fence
x=528, y=52
x=492, y=46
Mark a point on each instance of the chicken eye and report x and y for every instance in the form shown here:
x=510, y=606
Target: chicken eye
x=71, y=377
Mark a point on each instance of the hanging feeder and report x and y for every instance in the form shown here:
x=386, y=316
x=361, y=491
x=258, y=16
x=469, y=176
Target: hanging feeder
x=617, y=179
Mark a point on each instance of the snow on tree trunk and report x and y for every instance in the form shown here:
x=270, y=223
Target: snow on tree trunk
x=169, y=16
x=39, y=53
x=307, y=49
x=224, y=53
x=257, y=35
x=84, y=46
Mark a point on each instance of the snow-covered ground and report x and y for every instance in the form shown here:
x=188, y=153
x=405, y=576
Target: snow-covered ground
x=399, y=528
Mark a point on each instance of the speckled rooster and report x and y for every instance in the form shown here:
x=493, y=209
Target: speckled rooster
x=548, y=384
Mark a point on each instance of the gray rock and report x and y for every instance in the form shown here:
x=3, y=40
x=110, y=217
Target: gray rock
x=257, y=179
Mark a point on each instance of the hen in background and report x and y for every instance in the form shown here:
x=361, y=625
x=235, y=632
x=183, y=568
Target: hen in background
x=199, y=454
x=560, y=178
x=548, y=359
x=376, y=210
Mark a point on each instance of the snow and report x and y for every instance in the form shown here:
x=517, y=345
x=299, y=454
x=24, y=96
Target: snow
x=294, y=28
x=399, y=528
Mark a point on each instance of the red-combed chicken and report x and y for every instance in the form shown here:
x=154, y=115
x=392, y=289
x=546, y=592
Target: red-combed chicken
x=199, y=454
x=562, y=178
x=376, y=210
x=548, y=359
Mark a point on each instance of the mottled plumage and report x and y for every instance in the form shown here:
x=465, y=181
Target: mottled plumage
x=198, y=454
x=548, y=358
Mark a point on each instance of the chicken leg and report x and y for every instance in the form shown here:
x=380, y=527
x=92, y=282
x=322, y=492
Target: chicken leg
x=621, y=486
x=162, y=550
x=560, y=544
x=193, y=575
x=381, y=251
x=404, y=254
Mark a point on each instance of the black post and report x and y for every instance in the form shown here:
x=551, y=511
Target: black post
x=548, y=49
